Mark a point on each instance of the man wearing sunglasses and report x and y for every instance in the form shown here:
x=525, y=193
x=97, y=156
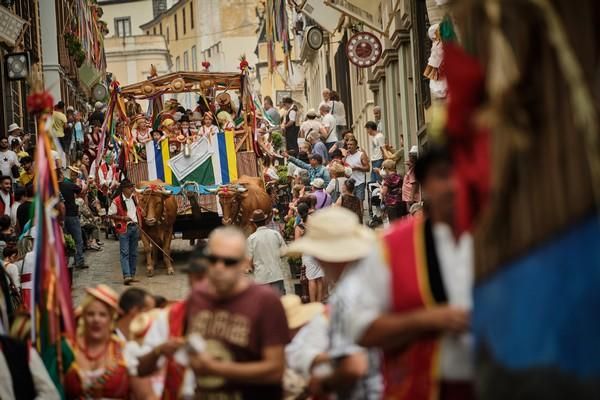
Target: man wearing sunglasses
x=243, y=324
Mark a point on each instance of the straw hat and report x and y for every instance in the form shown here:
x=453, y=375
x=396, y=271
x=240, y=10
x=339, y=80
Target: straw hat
x=105, y=294
x=311, y=113
x=334, y=235
x=299, y=314
x=73, y=168
x=223, y=99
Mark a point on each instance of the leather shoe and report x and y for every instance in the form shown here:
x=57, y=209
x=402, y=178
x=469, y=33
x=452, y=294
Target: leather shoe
x=127, y=281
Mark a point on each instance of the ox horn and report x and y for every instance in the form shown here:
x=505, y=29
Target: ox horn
x=241, y=189
x=140, y=190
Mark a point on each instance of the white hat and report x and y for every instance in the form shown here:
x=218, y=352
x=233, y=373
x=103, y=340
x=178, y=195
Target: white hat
x=334, y=234
x=71, y=108
x=318, y=183
x=311, y=113
x=98, y=105
x=414, y=150
x=13, y=127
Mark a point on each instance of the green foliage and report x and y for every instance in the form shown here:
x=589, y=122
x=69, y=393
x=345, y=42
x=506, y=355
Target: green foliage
x=70, y=246
x=75, y=48
x=282, y=173
x=277, y=140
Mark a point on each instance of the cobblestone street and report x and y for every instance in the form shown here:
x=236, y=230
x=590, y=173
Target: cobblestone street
x=105, y=268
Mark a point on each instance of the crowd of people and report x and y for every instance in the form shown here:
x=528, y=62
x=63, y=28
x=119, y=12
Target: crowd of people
x=238, y=335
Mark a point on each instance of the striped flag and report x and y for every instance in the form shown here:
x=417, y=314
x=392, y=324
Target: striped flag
x=157, y=157
x=224, y=158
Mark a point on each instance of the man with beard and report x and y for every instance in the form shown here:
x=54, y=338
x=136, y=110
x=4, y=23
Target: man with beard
x=243, y=325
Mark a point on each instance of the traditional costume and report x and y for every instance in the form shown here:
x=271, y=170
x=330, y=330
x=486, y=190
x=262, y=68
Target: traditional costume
x=418, y=255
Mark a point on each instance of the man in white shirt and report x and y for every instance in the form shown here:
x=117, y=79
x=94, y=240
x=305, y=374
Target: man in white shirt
x=15, y=132
x=6, y=196
x=377, y=141
x=8, y=159
x=328, y=132
x=266, y=249
x=311, y=125
x=126, y=214
x=289, y=126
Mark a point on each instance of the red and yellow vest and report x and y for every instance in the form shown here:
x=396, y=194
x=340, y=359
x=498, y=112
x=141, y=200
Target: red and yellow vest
x=412, y=374
x=121, y=226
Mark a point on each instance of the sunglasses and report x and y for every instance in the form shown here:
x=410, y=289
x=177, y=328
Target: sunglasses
x=227, y=261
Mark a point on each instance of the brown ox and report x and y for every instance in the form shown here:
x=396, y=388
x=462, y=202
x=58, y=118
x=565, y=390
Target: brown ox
x=159, y=210
x=238, y=202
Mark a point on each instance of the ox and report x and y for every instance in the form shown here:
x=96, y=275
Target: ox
x=238, y=202
x=159, y=211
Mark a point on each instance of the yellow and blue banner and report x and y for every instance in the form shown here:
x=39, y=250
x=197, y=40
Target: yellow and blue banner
x=224, y=158
x=157, y=156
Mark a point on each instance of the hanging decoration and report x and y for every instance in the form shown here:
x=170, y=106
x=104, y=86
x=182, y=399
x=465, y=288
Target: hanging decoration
x=206, y=65
x=364, y=49
x=276, y=32
x=434, y=70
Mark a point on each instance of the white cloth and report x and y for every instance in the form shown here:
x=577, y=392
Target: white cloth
x=41, y=380
x=208, y=131
x=8, y=159
x=6, y=200
x=131, y=209
x=456, y=265
x=266, y=248
x=377, y=142
x=292, y=114
x=13, y=272
x=339, y=112
x=354, y=160
x=13, y=212
x=329, y=123
x=310, y=341
x=28, y=267
x=344, y=310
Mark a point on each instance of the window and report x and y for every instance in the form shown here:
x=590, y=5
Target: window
x=154, y=31
x=192, y=14
x=194, y=59
x=184, y=22
x=147, y=32
x=177, y=63
x=168, y=38
x=176, y=30
x=123, y=26
x=160, y=30
x=186, y=61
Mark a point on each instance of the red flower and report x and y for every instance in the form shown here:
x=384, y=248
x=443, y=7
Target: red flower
x=39, y=102
x=205, y=64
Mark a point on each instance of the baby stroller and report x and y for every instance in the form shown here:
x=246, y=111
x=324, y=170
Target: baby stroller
x=374, y=201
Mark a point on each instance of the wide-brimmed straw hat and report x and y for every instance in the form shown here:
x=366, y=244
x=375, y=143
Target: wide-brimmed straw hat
x=105, y=294
x=299, y=314
x=334, y=235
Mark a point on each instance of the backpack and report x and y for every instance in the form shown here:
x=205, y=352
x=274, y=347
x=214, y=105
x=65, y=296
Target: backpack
x=336, y=191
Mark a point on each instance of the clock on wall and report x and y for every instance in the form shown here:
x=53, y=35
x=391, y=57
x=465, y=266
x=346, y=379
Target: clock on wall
x=364, y=49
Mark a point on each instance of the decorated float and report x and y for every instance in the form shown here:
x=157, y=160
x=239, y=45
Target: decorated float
x=194, y=155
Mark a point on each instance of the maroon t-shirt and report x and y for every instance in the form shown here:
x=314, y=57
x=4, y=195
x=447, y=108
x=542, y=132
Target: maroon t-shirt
x=239, y=329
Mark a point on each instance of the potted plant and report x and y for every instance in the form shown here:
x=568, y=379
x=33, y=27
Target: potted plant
x=70, y=246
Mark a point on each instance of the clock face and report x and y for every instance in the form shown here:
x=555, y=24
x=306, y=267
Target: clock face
x=315, y=38
x=99, y=92
x=17, y=66
x=364, y=49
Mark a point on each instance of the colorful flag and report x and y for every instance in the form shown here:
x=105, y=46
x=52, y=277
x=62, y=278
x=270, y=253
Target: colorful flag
x=157, y=157
x=225, y=158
